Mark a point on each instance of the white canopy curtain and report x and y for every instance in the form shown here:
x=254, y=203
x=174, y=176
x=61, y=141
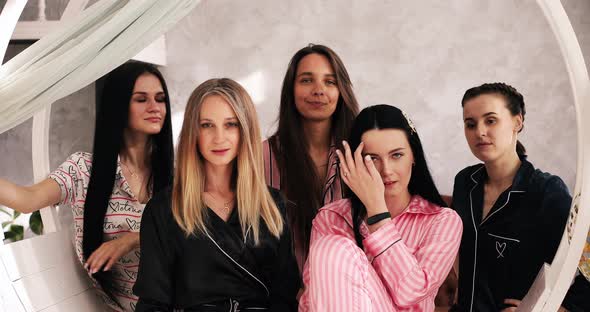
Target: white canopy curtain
x=83, y=49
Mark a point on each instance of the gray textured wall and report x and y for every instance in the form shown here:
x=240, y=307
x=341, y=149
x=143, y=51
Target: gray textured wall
x=420, y=56
x=71, y=130
x=53, y=9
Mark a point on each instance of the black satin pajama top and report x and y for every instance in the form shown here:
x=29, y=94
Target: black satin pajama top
x=216, y=272
x=500, y=255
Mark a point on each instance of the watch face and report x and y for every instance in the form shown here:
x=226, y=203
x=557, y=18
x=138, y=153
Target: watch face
x=585, y=259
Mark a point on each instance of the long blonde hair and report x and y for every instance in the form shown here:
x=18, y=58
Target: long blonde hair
x=253, y=198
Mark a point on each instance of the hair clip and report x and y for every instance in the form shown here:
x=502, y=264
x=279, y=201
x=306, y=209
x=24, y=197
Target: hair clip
x=410, y=123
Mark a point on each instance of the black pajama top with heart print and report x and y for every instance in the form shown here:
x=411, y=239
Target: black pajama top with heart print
x=500, y=255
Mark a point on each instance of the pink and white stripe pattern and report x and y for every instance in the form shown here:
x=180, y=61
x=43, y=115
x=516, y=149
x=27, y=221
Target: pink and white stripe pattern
x=332, y=190
x=404, y=262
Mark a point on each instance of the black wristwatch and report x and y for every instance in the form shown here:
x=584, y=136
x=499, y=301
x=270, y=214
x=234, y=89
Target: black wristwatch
x=378, y=217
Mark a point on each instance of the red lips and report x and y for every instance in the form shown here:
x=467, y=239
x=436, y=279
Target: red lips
x=483, y=144
x=220, y=151
x=389, y=183
x=316, y=103
x=154, y=119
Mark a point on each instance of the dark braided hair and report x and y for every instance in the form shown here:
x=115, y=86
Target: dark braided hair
x=514, y=102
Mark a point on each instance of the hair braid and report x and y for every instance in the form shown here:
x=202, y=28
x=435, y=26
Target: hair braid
x=514, y=102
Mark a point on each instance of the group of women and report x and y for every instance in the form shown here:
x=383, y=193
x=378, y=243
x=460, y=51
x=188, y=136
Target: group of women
x=336, y=211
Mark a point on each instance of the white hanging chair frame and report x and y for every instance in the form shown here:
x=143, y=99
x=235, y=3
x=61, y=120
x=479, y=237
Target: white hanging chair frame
x=553, y=281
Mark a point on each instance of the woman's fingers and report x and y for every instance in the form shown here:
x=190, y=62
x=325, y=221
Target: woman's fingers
x=89, y=265
x=109, y=252
x=355, y=164
x=350, y=165
x=358, y=158
x=98, y=261
x=344, y=173
x=98, y=258
x=111, y=262
x=375, y=175
x=342, y=163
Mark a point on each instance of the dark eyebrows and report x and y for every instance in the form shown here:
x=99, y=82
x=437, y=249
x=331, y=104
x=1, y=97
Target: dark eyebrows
x=484, y=115
x=311, y=74
x=146, y=93
x=226, y=119
x=395, y=150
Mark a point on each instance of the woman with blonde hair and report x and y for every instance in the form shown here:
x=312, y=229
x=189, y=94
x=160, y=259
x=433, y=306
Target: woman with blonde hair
x=217, y=241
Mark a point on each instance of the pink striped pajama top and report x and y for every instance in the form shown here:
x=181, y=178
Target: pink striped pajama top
x=404, y=262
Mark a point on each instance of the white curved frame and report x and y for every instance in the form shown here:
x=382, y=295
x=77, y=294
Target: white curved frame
x=30, y=268
x=560, y=274
x=40, y=137
x=553, y=282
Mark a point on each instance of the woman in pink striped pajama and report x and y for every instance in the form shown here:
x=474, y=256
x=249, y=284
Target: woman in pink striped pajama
x=391, y=245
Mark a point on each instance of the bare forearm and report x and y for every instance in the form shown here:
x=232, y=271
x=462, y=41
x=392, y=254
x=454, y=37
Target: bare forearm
x=26, y=199
x=134, y=240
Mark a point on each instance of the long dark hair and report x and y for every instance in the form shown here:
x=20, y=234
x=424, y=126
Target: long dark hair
x=299, y=179
x=514, y=102
x=111, y=119
x=421, y=182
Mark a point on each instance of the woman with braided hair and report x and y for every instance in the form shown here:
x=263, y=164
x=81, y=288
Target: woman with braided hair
x=513, y=214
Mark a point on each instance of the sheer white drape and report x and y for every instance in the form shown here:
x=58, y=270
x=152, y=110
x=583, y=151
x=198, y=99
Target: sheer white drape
x=83, y=49
x=8, y=19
